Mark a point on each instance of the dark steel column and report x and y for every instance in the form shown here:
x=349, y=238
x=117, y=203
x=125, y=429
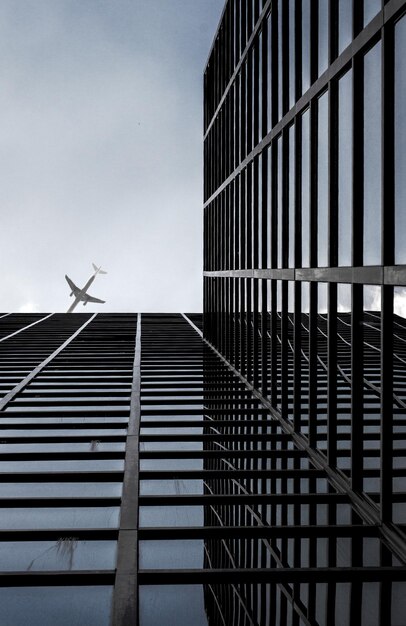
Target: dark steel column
x=125, y=602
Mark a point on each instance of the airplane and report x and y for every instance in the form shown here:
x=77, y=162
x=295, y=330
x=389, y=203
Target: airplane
x=81, y=295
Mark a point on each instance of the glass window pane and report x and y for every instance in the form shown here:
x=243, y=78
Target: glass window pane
x=371, y=8
x=67, y=553
x=305, y=45
x=372, y=156
x=344, y=24
x=292, y=51
x=372, y=376
x=269, y=250
x=61, y=517
x=171, y=516
x=177, y=554
x=48, y=606
x=179, y=605
x=344, y=305
x=105, y=465
x=322, y=182
x=292, y=204
x=345, y=169
x=279, y=201
x=323, y=35
x=175, y=486
x=400, y=141
x=91, y=446
x=269, y=73
x=162, y=464
x=280, y=81
x=65, y=490
x=305, y=188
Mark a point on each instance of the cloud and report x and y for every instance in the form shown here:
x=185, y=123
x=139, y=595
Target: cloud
x=399, y=301
x=29, y=307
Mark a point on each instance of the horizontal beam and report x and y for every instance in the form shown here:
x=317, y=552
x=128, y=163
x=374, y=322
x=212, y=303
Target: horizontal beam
x=272, y=575
x=243, y=498
x=368, y=275
x=57, y=578
x=256, y=532
x=220, y=454
x=51, y=534
x=230, y=474
x=73, y=501
x=114, y=476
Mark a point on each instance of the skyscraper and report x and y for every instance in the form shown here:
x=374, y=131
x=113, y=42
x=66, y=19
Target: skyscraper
x=304, y=288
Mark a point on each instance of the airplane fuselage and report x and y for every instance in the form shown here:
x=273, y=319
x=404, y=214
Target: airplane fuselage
x=81, y=295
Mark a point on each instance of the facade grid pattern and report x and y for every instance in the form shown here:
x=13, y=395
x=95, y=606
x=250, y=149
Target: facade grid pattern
x=304, y=265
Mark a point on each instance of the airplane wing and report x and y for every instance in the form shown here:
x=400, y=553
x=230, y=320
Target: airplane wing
x=72, y=285
x=88, y=298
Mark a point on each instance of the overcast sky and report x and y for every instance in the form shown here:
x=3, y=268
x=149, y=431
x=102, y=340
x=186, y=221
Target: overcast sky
x=101, y=151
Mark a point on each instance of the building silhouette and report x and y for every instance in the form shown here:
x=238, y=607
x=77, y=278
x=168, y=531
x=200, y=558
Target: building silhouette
x=245, y=466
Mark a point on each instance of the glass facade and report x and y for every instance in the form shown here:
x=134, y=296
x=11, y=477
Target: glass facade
x=317, y=330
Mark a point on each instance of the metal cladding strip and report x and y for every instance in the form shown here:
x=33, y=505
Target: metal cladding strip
x=199, y=332
x=125, y=601
x=276, y=575
x=55, y=578
x=249, y=532
x=365, y=275
x=364, y=506
x=25, y=327
x=23, y=383
x=4, y=315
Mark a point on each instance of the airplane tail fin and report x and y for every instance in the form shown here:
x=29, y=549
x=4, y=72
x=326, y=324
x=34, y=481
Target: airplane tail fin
x=98, y=269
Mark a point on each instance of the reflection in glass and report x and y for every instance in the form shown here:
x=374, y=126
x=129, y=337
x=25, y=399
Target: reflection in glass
x=372, y=156
x=269, y=250
x=258, y=209
x=61, y=517
x=322, y=182
x=278, y=341
x=372, y=385
x=161, y=464
x=399, y=391
x=175, y=486
x=48, y=606
x=280, y=205
x=269, y=73
x=171, y=516
x=292, y=204
x=323, y=35
x=371, y=8
x=344, y=306
x=178, y=554
x=280, y=81
x=61, y=466
x=345, y=168
x=305, y=195
x=67, y=553
x=305, y=45
x=400, y=141
x=305, y=352
x=344, y=24
x=58, y=490
x=322, y=363
x=292, y=51
x=179, y=605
